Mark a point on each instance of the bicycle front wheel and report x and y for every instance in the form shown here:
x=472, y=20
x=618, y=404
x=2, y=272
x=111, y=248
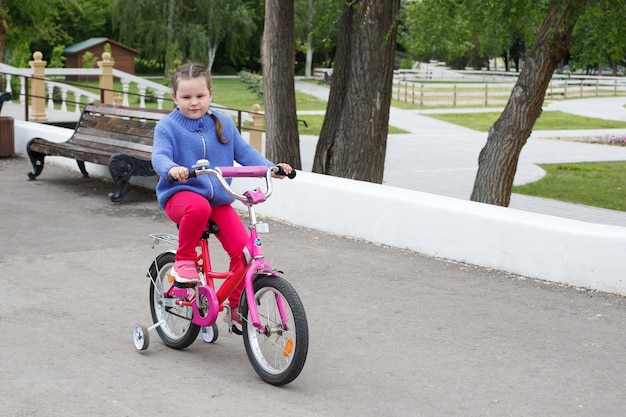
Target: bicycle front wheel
x=278, y=354
x=176, y=331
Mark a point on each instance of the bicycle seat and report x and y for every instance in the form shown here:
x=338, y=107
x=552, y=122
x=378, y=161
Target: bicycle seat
x=212, y=228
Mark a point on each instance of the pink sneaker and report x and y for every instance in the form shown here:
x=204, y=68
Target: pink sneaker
x=234, y=315
x=234, y=321
x=185, y=272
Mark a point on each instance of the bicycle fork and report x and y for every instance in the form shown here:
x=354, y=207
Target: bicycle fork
x=259, y=268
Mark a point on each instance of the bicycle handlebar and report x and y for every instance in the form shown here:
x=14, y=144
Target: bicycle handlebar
x=221, y=173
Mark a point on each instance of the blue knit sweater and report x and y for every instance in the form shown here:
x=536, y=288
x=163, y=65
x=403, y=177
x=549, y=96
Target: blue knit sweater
x=180, y=141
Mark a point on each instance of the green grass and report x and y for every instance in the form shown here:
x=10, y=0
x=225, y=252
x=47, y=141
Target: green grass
x=598, y=184
x=314, y=125
x=231, y=93
x=549, y=120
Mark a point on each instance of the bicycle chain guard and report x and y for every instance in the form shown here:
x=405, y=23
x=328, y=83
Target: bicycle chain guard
x=207, y=293
x=196, y=295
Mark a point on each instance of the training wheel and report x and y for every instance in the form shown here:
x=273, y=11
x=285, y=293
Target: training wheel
x=209, y=333
x=141, y=337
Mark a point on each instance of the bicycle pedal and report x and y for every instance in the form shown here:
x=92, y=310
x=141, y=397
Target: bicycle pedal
x=227, y=317
x=184, y=284
x=232, y=328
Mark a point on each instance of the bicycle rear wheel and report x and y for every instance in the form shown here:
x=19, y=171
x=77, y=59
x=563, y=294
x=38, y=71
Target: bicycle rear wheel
x=177, y=331
x=279, y=354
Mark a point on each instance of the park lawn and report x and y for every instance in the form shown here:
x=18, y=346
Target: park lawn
x=314, y=125
x=232, y=93
x=598, y=184
x=549, y=120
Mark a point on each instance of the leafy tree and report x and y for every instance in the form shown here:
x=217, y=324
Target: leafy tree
x=37, y=24
x=57, y=60
x=214, y=24
x=316, y=28
x=305, y=16
x=152, y=25
x=469, y=31
x=85, y=19
x=600, y=36
x=353, y=139
x=438, y=30
x=89, y=60
x=497, y=161
x=252, y=48
x=171, y=31
x=509, y=25
x=278, y=56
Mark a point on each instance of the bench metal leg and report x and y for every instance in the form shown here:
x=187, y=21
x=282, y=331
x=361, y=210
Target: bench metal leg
x=83, y=170
x=37, y=160
x=121, y=168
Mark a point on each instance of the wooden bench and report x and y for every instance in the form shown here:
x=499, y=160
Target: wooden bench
x=116, y=136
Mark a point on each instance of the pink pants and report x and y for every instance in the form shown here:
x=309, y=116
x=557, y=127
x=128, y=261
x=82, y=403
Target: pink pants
x=192, y=212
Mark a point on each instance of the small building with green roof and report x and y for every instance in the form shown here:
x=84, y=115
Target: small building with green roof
x=123, y=56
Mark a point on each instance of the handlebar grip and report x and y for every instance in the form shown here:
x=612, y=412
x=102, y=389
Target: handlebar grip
x=281, y=171
x=172, y=180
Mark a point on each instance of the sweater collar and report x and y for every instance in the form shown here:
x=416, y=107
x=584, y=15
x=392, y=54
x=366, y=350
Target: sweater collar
x=192, y=125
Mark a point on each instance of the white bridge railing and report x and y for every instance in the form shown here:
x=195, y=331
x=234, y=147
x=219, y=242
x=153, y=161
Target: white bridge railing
x=75, y=95
x=57, y=88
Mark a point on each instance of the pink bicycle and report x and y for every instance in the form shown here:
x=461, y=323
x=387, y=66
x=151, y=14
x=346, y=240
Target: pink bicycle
x=273, y=320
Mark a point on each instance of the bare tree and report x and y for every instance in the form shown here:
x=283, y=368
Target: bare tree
x=353, y=139
x=498, y=160
x=278, y=57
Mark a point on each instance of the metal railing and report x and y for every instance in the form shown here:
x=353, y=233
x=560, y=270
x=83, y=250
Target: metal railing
x=61, y=92
x=491, y=88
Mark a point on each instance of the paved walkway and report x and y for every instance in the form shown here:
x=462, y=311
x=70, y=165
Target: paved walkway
x=414, y=336
x=411, y=336
x=442, y=158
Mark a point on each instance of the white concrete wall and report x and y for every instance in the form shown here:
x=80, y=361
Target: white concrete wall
x=534, y=245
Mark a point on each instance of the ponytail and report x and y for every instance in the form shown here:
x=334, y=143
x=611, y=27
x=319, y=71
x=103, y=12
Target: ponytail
x=219, y=128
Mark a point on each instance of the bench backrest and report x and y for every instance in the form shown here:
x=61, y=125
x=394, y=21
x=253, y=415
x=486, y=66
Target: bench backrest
x=118, y=129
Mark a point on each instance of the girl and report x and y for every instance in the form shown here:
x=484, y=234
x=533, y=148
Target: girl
x=190, y=132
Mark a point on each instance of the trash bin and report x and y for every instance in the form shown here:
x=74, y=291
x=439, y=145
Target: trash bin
x=7, y=136
x=7, y=129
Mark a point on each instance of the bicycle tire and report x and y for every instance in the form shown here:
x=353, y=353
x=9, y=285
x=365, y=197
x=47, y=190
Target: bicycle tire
x=278, y=358
x=177, y=331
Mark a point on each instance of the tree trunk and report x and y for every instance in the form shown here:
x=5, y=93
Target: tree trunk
x=308, y=66
x=282, y=142
x=353, y=139
x=498, y=160
x=3, y=32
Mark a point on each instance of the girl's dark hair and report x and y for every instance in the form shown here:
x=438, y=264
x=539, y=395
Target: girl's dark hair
x=193, y=70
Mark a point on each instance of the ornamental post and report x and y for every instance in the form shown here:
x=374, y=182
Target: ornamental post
x=38, y=88
x=106, y=79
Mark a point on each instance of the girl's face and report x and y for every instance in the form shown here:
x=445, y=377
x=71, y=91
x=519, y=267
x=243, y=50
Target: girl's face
x=193, y=97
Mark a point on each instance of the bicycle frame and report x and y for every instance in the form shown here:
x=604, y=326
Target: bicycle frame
x=205, y=301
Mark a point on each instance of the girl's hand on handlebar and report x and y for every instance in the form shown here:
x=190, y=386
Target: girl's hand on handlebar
x=285, y=171
x=178, y=174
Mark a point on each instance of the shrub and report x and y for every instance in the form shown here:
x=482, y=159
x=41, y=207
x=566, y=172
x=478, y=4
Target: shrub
x=253, y=82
